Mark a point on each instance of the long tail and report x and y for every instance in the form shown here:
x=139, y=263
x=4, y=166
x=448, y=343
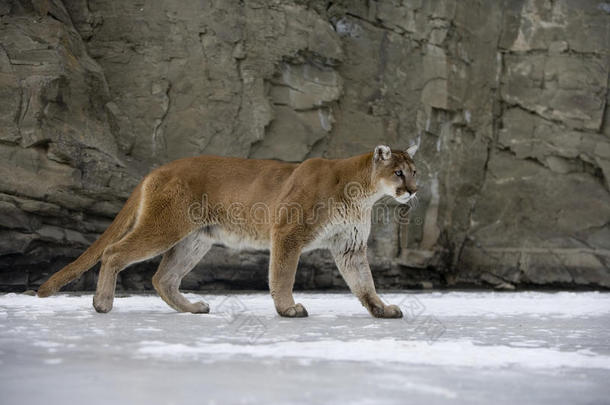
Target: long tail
x=117, y=229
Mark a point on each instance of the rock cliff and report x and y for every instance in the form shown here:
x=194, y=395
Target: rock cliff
x=508, y=101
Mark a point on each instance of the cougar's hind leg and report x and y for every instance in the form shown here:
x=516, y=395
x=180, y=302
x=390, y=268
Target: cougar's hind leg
x=162, y=222
x=177, y=263
x=135, y=247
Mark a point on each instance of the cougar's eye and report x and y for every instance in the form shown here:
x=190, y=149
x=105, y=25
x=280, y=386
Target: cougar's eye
x=414, y=172
x=398, y=173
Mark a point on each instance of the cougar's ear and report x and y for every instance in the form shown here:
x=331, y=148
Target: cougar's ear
x=411, y=150
x=382, y=152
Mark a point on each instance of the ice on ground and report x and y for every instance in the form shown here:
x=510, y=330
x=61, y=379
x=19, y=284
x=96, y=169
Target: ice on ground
x=458, y=353
x=475, y=347
x=560, y=304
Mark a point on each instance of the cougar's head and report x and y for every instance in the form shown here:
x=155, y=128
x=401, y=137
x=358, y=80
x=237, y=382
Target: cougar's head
x=394, y=172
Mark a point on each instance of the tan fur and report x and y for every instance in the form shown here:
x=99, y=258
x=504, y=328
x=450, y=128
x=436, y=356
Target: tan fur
x=182, y=208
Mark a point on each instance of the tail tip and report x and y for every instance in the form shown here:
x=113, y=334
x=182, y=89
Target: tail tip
x=45, y=291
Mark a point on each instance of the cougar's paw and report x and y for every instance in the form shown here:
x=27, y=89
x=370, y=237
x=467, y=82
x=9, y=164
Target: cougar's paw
x=102, y=305
x=200, y=307
x=388, y=311
x=392, y=311
x=297, y=311
x=45, y=291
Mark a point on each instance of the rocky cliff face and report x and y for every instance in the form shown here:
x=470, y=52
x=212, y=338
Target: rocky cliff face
x=508, y=101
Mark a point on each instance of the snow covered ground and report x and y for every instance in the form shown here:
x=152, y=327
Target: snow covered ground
x=451, y=347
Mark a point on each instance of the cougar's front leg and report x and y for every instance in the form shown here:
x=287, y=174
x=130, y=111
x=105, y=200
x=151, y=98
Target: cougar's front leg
x=284, y=258
x=354, y=267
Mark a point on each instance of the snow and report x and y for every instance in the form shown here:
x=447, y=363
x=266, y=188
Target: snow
x=474, y=347
x=459, y=353
x=561, y=304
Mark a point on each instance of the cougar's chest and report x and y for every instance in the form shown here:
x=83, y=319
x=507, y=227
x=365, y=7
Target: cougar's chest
x=345, y=236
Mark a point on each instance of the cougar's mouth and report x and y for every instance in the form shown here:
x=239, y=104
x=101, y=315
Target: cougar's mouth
x=404, y=198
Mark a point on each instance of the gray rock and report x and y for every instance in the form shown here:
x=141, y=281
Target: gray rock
x=509, y=106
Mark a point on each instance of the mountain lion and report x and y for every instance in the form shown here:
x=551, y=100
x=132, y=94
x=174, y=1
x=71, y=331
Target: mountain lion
x=182, y=208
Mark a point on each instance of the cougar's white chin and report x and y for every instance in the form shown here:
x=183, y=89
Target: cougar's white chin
x=404, y=198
